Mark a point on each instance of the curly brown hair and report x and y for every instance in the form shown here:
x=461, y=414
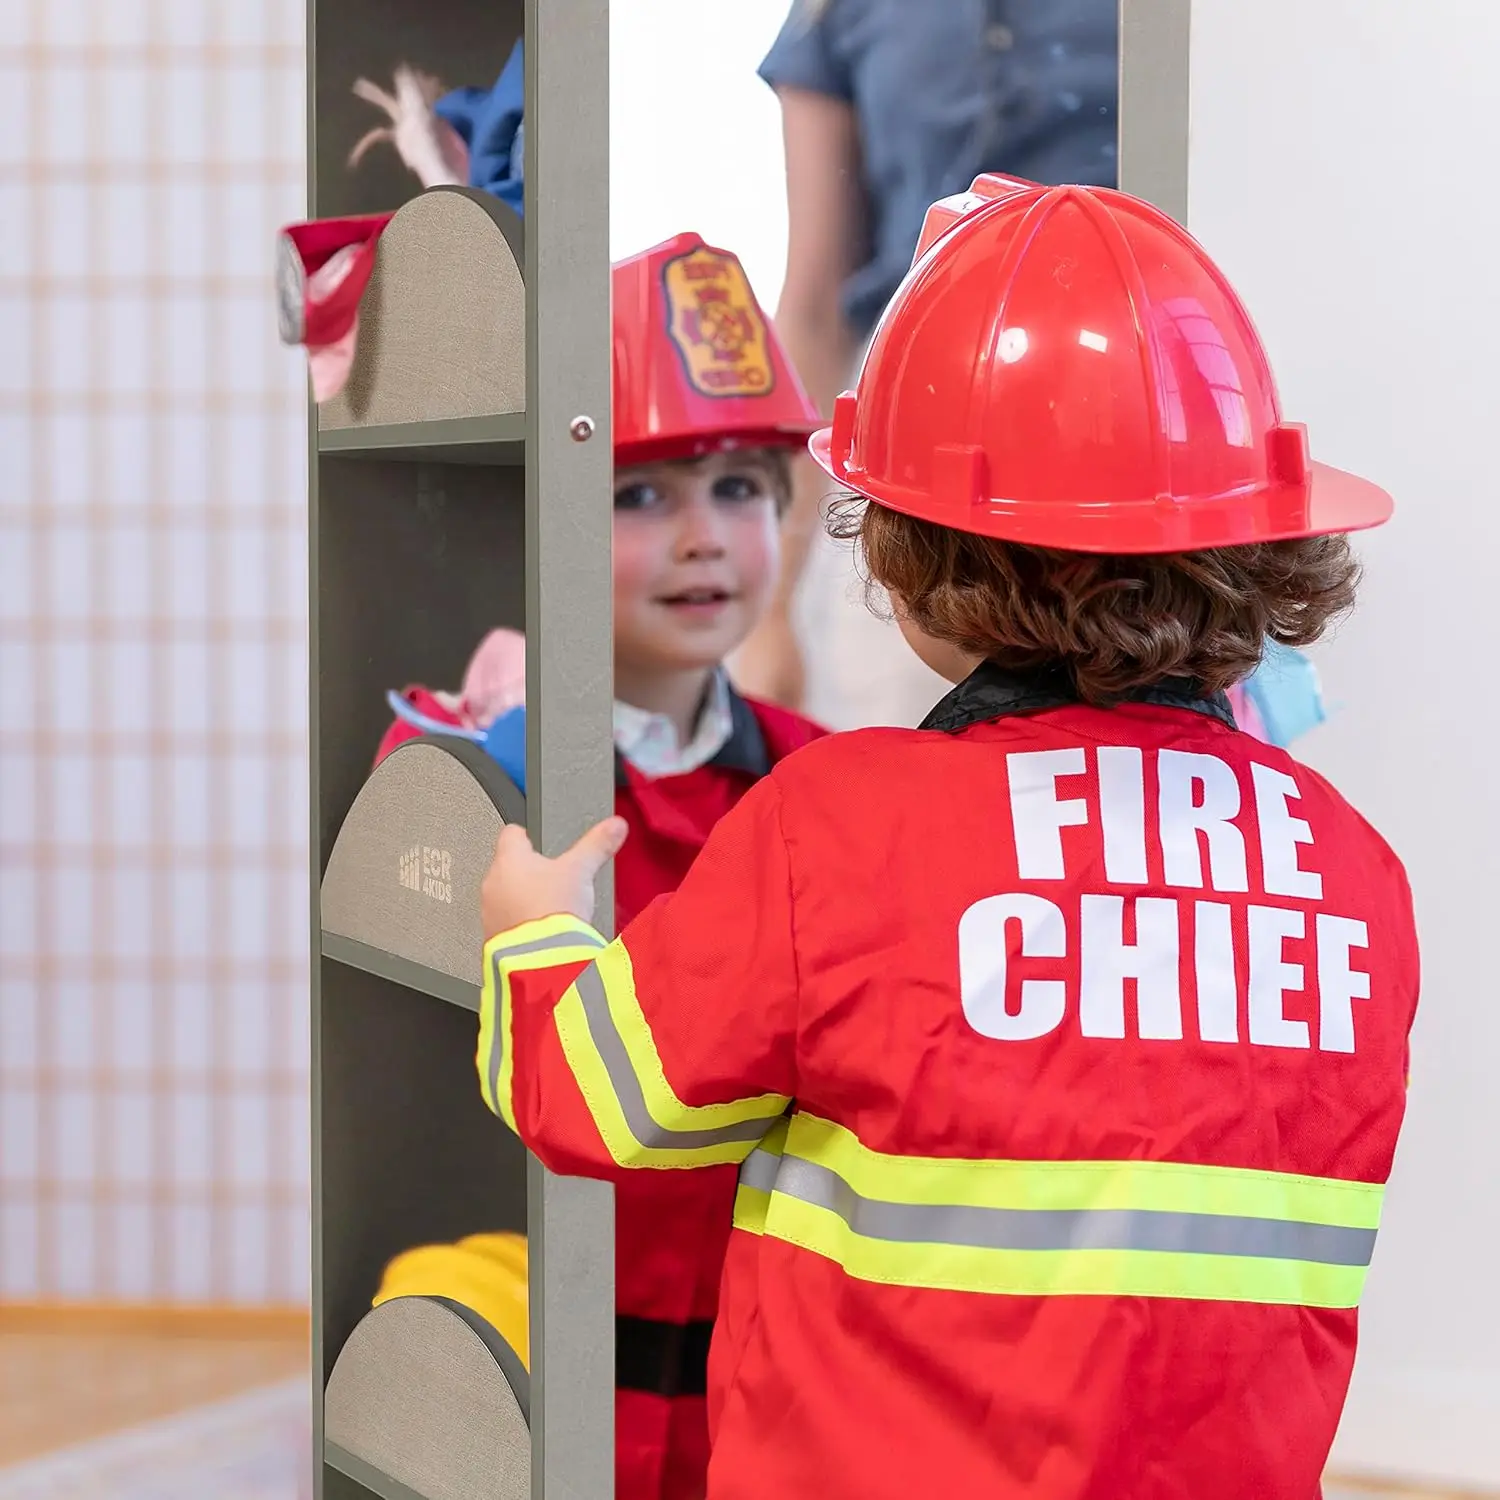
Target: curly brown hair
x=1116, y=622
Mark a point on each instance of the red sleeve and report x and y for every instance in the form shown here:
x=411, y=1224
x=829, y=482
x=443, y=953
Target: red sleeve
x=398, y=734
x=673, y=1046
x=426, y=702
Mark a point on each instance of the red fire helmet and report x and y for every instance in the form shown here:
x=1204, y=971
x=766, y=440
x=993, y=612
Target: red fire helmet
x=1065, y=367
x=697, y=365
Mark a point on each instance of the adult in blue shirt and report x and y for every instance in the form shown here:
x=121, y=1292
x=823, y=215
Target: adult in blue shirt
x=886, y=106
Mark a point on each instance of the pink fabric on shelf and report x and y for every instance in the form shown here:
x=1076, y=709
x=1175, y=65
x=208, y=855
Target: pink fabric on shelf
x=495, y=681
x=329, y=364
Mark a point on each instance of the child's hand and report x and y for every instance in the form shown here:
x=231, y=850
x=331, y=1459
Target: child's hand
x=523, y=885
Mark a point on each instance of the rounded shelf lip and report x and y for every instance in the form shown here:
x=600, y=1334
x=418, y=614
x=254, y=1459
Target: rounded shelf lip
x=398, y=1354
x=400, y=895
x=351, y=1466
x=499, y=439
x=403, y=971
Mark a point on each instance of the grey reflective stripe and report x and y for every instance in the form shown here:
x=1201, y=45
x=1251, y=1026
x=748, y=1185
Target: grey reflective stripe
x=759, y=1170
x=1073, y=1229
x=537, y=945
x=627, y=1087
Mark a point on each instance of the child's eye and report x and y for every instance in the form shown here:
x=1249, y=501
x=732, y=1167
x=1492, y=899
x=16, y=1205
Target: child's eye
x=738, y=487
x=637, y=497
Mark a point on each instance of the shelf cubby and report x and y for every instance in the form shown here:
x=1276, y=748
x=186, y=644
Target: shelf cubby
x=452, y=491
x=442, y=323
x=403, y=878
x=427, y=1402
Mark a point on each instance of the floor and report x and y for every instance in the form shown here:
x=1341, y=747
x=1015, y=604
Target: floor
x=255, y=1446
x=65, y=1387
x=131, y=1413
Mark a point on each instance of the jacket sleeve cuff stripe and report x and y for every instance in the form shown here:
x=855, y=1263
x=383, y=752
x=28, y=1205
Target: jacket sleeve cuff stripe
x=613, y=1055
x=544, y=944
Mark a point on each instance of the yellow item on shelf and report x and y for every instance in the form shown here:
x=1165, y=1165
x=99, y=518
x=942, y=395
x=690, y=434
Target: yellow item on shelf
x=486, y=1273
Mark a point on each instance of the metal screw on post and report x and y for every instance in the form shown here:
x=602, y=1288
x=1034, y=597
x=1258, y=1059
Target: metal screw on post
x=582, y=429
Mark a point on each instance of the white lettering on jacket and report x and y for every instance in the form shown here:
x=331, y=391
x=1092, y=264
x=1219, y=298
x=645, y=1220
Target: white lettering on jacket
x=983, y=944
x=1143, y=963
x=1038, y=815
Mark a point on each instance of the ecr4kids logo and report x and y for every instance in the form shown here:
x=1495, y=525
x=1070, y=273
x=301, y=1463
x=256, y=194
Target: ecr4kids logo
x=429, y=872
x=716, y=325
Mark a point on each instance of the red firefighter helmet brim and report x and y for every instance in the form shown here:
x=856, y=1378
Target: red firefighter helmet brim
x=1327, y=501
x=671, y=447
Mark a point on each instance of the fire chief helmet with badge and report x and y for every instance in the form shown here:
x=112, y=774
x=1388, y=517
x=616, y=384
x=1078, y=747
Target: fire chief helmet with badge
x=697, y=365
x=697, y=369
x=1065, y=367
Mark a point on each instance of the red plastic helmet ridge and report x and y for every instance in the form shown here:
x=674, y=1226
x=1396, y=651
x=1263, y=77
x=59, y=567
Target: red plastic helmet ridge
x=1066, y=367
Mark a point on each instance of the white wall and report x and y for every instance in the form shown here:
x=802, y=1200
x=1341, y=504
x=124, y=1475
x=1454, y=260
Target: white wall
x=695, y=136
x=1342, y=169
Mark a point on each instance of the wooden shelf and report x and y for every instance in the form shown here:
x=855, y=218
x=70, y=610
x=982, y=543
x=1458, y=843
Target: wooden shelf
x=497, y=440
x=402, y=971
x=366, y=1475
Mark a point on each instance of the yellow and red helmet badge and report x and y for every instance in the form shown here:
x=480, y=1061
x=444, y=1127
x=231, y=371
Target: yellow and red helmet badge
x=717, y=325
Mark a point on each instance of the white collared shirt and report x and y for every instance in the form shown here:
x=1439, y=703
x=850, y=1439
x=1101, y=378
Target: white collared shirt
x=649, y=741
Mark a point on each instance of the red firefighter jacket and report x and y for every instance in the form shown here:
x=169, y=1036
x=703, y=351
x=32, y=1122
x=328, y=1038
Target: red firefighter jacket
x=671, y=1229
x=1064, y=1053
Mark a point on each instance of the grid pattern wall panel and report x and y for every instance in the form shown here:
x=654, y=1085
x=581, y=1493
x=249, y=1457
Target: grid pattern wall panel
x=153, y=818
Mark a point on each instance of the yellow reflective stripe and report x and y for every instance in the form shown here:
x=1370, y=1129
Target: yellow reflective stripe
x=618, y=975
x=640, y=1118
x=1157, y=1229
x=757, y=1178
x=1029, y=1273
x=1162, y=1187
x=542, y=944
x=750, y=1208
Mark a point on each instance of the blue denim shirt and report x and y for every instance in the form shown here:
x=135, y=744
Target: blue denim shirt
x=946, y=89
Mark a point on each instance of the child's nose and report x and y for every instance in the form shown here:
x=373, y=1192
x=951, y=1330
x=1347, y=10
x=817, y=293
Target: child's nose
x=702, y=532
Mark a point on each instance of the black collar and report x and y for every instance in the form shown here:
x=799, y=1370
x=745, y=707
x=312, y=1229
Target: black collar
x=995, y=692
x=744, y=751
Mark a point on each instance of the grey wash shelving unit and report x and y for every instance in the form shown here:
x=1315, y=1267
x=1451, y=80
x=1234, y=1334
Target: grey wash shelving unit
x=449, y=494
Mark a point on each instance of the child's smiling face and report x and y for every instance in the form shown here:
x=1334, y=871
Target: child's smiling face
x=696, y=555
